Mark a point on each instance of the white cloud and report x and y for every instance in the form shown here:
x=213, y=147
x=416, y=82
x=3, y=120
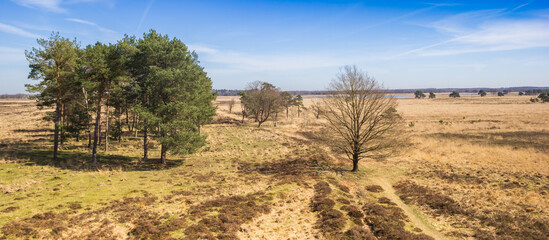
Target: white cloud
x=17, y=31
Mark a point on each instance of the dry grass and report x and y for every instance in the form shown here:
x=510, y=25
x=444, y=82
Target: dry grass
x=485, y=168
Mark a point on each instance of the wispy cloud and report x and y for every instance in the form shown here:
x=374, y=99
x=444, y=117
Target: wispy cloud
x=247, y=62
x=55, y=5
x=76, y=20
x=47, y=5
x=11, y=55
x=145, y=13
x=17, y=31
x=201, y=49
x=81, y=21
x=486, y=31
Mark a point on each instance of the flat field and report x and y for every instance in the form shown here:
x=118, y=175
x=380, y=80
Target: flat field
x=473, y=168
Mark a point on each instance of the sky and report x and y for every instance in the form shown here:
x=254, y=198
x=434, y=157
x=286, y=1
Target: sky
x=302, y=45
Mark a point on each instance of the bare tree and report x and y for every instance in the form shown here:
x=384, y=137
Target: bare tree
x=231, y=105
x=361, y=115
x=317, y=109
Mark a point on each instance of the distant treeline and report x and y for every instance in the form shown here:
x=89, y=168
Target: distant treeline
x=525, y=90
x=14, y=96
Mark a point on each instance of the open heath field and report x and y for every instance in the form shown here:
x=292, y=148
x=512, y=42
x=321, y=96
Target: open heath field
x=470, y=168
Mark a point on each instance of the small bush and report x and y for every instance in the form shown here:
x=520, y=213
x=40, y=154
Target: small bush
x=322, y=188
x=321, y=203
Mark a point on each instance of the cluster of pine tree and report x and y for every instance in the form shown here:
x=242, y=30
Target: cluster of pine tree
x=152, y=87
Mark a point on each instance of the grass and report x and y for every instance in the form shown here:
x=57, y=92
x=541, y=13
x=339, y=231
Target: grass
x=490, y=159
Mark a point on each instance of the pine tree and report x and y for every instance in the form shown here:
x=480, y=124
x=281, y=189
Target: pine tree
x=175, y=96
x=53, y=63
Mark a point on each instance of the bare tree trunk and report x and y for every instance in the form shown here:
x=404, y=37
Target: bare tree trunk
x=276, y=119
x=355, y=162
x=287, y=111
x=199, y=129
x=96, y=137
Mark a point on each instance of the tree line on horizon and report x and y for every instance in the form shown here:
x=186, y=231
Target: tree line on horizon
x=152, y=85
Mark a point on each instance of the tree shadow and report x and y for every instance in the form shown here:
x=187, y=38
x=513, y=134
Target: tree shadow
x=34, y=153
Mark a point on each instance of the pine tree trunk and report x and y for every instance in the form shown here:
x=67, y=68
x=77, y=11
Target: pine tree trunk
x=136, y=121
x=62, y=133
x=199, y=129
x=96, y=132
x=89, y=137
x=56, y=129
x=120, y=125
x=145, y=147
x=163, y=151
x=128, y=119
x=107, y=128
x=287, y=111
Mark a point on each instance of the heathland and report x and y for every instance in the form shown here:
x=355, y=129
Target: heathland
x=473, y=167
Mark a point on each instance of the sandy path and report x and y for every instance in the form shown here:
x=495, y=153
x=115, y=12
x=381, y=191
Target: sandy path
x=389, y=192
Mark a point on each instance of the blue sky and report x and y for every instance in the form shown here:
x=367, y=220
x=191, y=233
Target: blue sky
x=301, y=45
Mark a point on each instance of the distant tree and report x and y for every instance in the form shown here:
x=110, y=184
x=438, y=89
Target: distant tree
x=298, y=102
x=520, y=93
x=317, y=109
x=432, y=95
x=261, y=100
x=243, y=98
x=231, y=105
x=53, y=63
x=505, y=91
x=482, y=93
x=419, y=94
x=544, y=97
x=501, y=94
x=287, y=101
x=454, y=94
x=360, y=114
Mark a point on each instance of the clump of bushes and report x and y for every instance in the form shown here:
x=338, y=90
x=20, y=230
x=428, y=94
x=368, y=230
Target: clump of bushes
x=374, y=188
x=387, y=222
x=411, y=192
x=322, y=188
x=331, y=221
x=233, y=212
